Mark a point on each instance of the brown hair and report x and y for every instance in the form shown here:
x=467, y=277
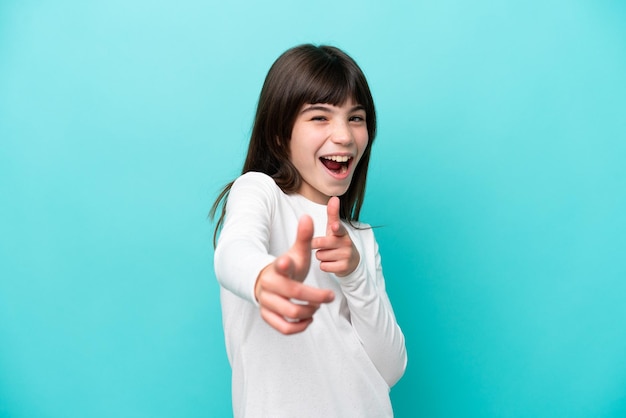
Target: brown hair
x=304, y=74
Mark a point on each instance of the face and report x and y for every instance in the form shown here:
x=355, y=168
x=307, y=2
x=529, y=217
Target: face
x=326, y=145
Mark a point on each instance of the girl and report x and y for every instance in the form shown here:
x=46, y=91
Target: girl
x=308, y=325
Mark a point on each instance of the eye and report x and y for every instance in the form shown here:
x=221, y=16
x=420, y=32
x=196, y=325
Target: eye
x=357, y=118
x=319, y=118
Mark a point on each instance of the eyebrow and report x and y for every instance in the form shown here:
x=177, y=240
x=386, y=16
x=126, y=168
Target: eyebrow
x=323, y=108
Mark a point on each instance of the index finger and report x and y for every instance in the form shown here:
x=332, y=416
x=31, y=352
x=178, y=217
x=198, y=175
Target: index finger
x=282, y=285
x=312, y=294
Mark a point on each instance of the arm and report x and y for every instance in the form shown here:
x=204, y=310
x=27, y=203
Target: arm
x=370, y=310
x=244, y=266
x=243, y=246
x=374, y=321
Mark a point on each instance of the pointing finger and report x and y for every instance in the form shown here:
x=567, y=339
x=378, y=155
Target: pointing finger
x=284, y=266
x=338, y=230
x=313, y=295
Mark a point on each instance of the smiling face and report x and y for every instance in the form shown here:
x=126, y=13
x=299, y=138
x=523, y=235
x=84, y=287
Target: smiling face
x=326, y=145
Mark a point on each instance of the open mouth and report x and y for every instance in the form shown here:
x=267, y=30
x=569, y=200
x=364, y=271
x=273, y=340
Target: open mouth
x=337, y=164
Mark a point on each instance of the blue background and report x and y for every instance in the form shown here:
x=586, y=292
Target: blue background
x=498, y=176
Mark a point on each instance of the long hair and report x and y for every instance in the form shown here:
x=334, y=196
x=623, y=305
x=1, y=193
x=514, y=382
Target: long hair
x=304, y=74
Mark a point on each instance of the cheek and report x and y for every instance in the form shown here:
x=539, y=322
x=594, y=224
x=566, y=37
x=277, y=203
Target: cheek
x=297, y=156
x=362, y=147
x=362, y=143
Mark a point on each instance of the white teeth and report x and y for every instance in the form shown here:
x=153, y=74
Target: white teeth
x=337, y=158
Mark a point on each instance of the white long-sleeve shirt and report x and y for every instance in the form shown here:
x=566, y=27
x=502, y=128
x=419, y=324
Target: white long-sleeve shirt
x=344, y=363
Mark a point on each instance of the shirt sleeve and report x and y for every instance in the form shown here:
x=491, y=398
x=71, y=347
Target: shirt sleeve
x=371, y=313
x=243, y=246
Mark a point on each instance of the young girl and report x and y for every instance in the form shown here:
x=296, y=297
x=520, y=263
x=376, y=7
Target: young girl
x=308, y=325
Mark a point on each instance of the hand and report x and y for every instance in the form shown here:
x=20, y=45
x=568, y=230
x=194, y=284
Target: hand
x=281, y=281
x=336, y=251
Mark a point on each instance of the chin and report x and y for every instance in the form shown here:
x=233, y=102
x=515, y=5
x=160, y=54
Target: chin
x=335, y=191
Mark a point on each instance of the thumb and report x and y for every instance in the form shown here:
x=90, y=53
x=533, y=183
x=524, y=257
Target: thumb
x=300, y=252
x=302, y=246
x=333, y=225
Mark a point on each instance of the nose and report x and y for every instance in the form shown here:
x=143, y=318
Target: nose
x=342, y=134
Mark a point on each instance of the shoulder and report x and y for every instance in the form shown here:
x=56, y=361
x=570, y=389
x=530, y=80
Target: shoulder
x=255, y=178
x=254, y=190
x=255, y=183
